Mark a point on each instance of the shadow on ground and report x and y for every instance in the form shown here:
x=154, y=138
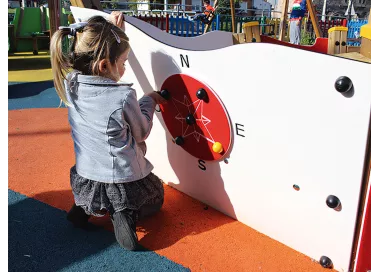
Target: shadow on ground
x=27, y=95
x=27, y=89
x=41, y=239
x=21, y=64
x=180, y=216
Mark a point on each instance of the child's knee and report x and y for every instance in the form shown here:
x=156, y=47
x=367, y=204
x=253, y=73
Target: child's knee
x=148, y=210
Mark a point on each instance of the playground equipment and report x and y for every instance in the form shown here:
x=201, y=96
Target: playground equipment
x=365, y=33
x=337, y=43
x=295, y=161
x=313, y=17
x=31, y=29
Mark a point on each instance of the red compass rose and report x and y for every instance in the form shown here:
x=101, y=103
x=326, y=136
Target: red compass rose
x=196, y=118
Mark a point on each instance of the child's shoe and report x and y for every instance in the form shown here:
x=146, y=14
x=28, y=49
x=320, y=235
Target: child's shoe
x=124, y=224
x=78, y=217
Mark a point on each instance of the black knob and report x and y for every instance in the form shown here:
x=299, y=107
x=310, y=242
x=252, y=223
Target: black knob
x=343, y=43
x=201, y=94
x=343, y=84
x=165, y=94
x=337, y=43
x=190, y=120
x=179, y=140
x=333, y=202
x=326, y=262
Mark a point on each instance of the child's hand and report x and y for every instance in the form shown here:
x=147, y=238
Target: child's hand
x=157, y=98
x=117, y=18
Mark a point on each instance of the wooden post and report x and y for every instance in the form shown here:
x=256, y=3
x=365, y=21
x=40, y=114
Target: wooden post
x=333, y=42
x=238, y=38
x=232, y=4
x=284, y=17
x=77, y=3
x=251, y=30
x=314, y=19
x=53, y=16
x=343, y=41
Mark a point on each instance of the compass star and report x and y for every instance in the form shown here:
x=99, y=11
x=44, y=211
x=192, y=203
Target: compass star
x=199, y=129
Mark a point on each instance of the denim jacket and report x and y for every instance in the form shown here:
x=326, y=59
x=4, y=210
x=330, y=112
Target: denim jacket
x=108, y=126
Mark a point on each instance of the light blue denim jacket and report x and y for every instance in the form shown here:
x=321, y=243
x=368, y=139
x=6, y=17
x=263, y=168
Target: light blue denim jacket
x=108, y=126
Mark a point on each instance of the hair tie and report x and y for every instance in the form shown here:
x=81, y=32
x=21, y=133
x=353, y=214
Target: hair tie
x=73, y=28
x=73, y=32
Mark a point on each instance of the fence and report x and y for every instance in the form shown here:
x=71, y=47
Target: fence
x=354, y=31
x=180, y=25
x=158, y=20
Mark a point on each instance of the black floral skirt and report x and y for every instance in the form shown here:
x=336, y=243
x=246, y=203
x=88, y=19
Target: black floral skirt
x=96, y=198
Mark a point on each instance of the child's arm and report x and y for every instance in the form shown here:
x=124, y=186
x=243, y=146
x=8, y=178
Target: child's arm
x=139, y=115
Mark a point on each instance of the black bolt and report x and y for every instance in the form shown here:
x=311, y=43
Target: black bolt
x=165, y=94
x=326, y=262
x=337, y=43
x=343, y=84
x=343, y=43
x=179, y=140
x=201, y=94
x=332, y=201
x=190, y=120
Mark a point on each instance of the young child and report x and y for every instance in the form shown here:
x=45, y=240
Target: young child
x=203, y=16
x=108, y=126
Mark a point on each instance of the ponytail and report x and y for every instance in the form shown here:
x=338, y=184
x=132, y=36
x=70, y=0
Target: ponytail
x=99, y=39
x=60, y=63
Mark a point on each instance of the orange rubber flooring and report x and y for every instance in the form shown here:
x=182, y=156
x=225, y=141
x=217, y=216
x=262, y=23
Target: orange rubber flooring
x=41, y=154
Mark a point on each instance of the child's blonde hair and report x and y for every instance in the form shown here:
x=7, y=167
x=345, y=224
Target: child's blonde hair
x=97, y=40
